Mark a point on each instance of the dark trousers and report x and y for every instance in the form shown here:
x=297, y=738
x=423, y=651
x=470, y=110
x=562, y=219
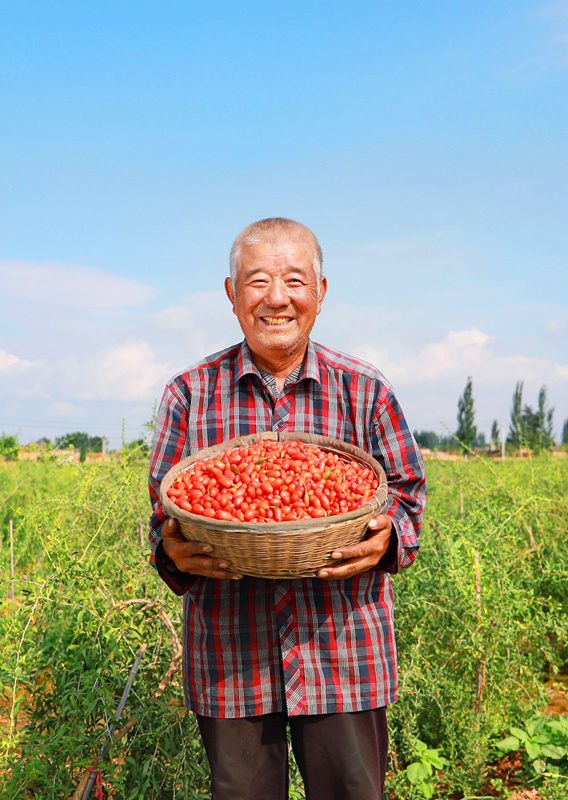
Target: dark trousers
x=340, y=756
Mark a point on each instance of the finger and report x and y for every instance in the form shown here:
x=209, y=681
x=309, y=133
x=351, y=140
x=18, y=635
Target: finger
x=375, y=545
x=213, y=568
x=380, y=521
x=360, y=550
x=225, y=574
x=347, y=569
x=171, y=530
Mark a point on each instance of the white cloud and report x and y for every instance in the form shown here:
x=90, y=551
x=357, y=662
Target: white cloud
x=130, y=372
x=18, y=376
x=120, y=376
x=460, y=354
x=53, y=284
x=429, y=379
x=193, y=327
x=8, y=360
x=125, y=372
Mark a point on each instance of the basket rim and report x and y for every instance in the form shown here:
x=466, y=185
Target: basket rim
x=372, y=507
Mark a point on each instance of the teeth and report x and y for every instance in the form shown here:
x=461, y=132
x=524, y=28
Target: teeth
x=276, y=320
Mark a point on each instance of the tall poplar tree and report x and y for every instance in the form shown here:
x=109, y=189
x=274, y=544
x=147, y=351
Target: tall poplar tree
x=495, y=435
x=516, y=436
x=545, y=439
x=530, y=428
x=467, y=430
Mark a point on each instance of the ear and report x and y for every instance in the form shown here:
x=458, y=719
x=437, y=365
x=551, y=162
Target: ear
x=229, y=289
x=322, y=292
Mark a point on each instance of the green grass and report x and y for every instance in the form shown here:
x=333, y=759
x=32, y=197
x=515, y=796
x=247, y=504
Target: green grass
x=482, y=621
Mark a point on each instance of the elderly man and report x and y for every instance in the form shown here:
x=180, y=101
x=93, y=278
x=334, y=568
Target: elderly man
x=317, y=654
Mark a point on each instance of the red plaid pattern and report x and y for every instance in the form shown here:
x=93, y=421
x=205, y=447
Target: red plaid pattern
x=303, y=646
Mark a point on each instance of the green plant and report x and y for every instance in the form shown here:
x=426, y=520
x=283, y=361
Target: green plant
x=482, y=618
x=543, y=740
x=483, y=614
x=9, y=447
x=420, y=773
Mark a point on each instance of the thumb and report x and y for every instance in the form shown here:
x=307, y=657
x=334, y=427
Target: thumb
x=381, y=521
x=170, y=529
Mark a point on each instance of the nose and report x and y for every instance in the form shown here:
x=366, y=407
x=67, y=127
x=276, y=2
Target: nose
x=276, y=295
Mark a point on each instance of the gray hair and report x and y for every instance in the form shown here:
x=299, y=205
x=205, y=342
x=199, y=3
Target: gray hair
x=275, y=229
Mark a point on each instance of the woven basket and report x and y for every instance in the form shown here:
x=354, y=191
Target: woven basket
x=278, y=549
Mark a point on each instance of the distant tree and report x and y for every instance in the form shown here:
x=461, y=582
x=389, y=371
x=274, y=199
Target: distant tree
x=565, y=432
x=515, y=436
x=82, y=442
x=138, y=447
x=480, y=441
x=427, y=439
x=467, y=431
x=495, y=435
x=545, y=415
x=531, y=428
x=95, y=444
x=9, y=447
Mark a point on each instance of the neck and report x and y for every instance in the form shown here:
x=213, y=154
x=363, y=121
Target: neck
x=279, y=367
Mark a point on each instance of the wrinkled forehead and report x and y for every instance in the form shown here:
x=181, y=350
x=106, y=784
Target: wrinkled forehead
x=301, y=246
x=299, y=238
x=296, y=249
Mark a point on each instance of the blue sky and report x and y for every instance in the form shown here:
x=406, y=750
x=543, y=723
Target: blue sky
x=425, y=145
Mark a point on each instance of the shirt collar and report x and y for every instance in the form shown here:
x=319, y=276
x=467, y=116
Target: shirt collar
x=246, y=366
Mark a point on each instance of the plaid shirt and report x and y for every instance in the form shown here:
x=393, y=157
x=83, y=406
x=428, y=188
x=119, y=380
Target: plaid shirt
x=304, y=646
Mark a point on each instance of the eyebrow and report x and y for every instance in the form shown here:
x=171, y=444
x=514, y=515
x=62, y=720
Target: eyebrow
x=296, y=270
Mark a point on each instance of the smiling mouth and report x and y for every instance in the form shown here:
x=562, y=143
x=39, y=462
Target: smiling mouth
x=276, y=321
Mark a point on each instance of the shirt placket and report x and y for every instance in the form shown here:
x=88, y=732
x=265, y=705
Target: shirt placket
x=281, y=414
x=289, y=647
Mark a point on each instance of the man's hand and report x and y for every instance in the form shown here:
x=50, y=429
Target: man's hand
x=193, y=556
x=362, y=556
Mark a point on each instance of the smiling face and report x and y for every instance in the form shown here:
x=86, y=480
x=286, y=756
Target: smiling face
x=276, y=300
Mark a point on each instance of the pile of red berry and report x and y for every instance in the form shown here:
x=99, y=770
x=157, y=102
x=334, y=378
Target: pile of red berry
x=273, y=482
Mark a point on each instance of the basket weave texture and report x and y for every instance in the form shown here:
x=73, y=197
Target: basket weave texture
x=278, y=549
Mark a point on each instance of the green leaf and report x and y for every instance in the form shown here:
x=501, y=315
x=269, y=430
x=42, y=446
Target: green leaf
x=427, y=789
x=520, y=734
x=533, y=750
x=553, y=751
x=508, y=744
x=559, y=724
x=535, y=725
x=434, y=758
x=417, y=772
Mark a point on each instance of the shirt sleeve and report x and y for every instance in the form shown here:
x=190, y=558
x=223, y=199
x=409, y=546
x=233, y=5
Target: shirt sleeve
x=395, y=449
x=169, y=447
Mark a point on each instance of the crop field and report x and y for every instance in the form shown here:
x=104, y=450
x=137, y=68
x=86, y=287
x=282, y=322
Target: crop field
x=482, y=625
